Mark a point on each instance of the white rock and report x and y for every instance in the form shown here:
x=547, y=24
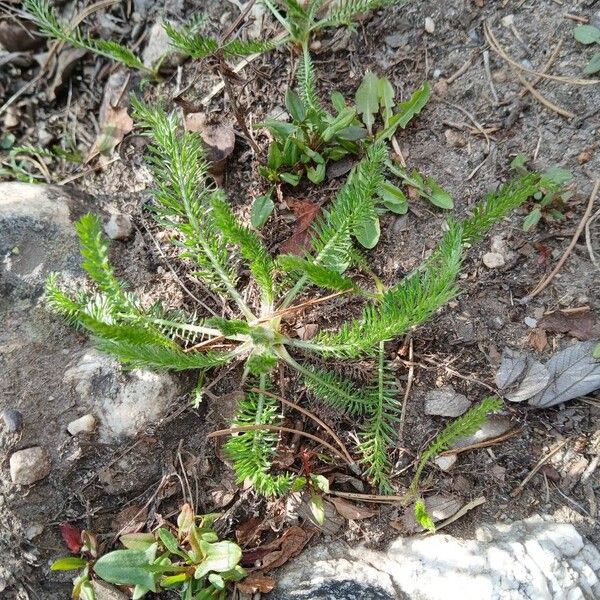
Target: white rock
x=105, y=591
x=118, y=227
x=158, y=45
x=531, y=559
x=446, y=402
x=445, y=463
x=124, y=403
x=530, y=322
x=429, y=25
x=29, y=465
x=493, y=260
x=85, y=424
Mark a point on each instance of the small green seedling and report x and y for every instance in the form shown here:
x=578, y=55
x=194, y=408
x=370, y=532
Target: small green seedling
x=588, y=34
x=550, y=199
x=188, y=558
x=464, y=426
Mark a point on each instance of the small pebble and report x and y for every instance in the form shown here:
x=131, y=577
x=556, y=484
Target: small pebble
x=493, y=260
x=316, y=45
x=508, y=20
x=118, y=227
x=446, y=402
x=13, y=420
x=85, y=424
x=530, y=322
x=445, y=463
x=29, y=465
x=429, y=25
x=33, y=531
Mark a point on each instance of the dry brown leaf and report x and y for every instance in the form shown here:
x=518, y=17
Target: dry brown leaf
x=218, y=139
x=247, y=532
x=20, y=36
x=130, y=520
x=113, y=117
x=581, y=325
x=308, y=331
x=63, y=67
x=351, y=511
x=279, y=551
x=256, y=582
x=306, y=212
x=538, y=338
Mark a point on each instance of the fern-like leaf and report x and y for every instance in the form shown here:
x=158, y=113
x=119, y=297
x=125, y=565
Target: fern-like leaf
x=317, y=274
x=250, y=246
x=380, y=432
x=252, y=451
x=466, y=425
x=344, y=11
x=404, y=306
x=49, y=25
x=307, y=88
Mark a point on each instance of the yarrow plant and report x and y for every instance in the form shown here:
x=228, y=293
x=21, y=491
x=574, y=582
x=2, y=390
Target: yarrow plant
x=221, y=249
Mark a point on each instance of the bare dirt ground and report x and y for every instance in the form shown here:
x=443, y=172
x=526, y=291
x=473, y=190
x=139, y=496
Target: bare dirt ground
x=477, y=121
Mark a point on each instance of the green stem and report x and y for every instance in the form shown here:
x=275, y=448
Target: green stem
x=198, y=329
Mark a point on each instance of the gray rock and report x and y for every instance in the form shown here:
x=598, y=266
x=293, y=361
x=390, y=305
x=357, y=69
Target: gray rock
x=37, y=236
x=495, y=426
x=105, y=591
x=118, y=227
x=493, y=260
x=446, y=402
x=13, y=420
x=158, y=45
x=29, y=465
x=446, y=462
x=125, y=403
x=533, y=559
x=85, y=424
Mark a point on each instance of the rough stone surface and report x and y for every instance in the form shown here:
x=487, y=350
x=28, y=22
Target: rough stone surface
x=85, y=424
x=445, y=463
x=527, y=560
x=118, y=227
x=125, y=403
x=105, y=591
x=446, y=402
x=37, y=236
x=13, y=419
x=493, y=260
x=29, y=465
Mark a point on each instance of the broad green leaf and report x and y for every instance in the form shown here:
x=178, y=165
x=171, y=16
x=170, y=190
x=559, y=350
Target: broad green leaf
x=338, y=101
x=261, y=210
x=519, y=161
x=593, y=66
x=407, y=111
x=219, y=558
x=291, y=178
x=68, y=563
x=139, y=591
x=299, y=483
x=342, y=121
x=280, y=129
x=217, y=581
x=86, y=591
x=352, y=133
x=393, y=198
x=170, y=542
x=587, y=34
x=438, y=195
x=596, y=352
x=169, y=580
x=128, y=567
x=137, y=541
x=367, y=99
x=295, y=105
x=558, y=175
x=320, y=482
x=367, y=231
x=317, y=508
x=422, y=516
x=532, y=219
x=275, y=156
x=316, y=174
x=386, y=99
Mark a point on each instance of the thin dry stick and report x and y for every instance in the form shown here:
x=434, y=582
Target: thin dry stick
x=491, y=442
x=588, y=239
x=541, y=98
x=473, y=120
x=543, y=284
x=498, y=49
x=230, y=430
x=537, y=467
x=310, y=416
x=488, y=72
x=369, y=497
x=462, y=70
x=544, y=69
x=411, y=374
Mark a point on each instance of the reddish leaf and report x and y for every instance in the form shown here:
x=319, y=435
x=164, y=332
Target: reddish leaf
x=279, y=551
x=351, y=511
x=538, y=338
x=72, y=537
x=256, y=582
x=581, y=325
x=306, y=212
